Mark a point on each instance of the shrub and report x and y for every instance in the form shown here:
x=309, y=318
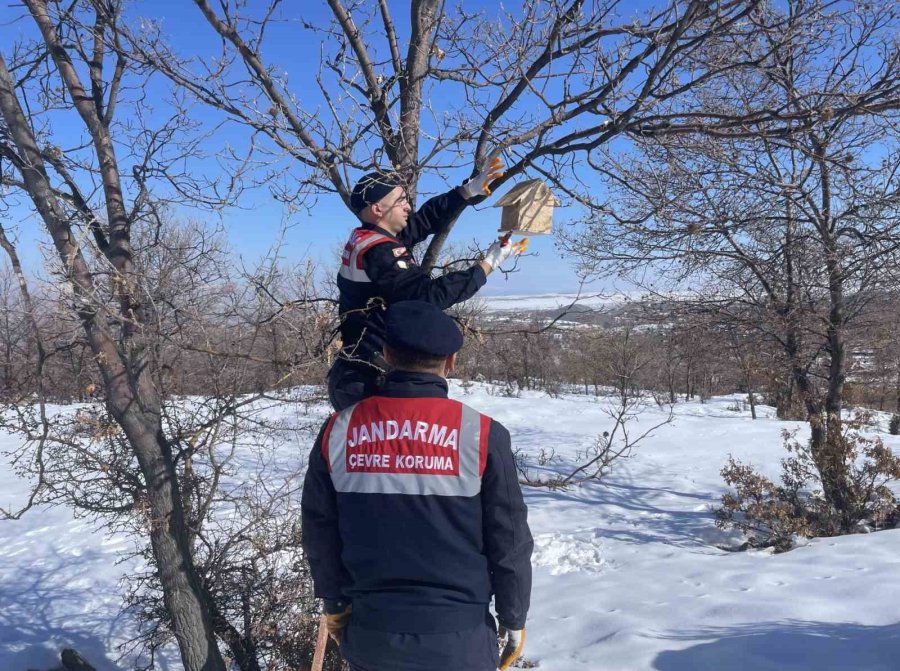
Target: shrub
x=853, y=395
x=509, y=390
x=894, y=425
x=771, y=515
x=553, y=388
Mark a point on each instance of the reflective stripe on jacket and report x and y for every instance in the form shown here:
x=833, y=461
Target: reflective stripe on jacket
x=361, y=240
x=412, y=510
x=423, y=446
x=378, y=269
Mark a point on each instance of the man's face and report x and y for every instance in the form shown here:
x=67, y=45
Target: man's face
x=392, y=211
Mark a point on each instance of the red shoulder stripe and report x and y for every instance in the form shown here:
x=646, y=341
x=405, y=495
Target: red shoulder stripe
x=483, y=443
x=372, y=241
x=326, y=438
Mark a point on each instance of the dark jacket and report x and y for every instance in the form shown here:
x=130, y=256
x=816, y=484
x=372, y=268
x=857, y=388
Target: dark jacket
x=392, y=274
x=421, y=550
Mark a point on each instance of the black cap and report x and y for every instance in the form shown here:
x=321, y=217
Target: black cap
x=421, y=327
x=372, y=188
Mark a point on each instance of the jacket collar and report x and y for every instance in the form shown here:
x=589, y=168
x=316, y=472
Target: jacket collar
x=378, y=229
x=406, y=384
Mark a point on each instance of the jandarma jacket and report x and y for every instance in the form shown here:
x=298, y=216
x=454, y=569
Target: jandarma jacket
x=412, y=511
x=378, y=269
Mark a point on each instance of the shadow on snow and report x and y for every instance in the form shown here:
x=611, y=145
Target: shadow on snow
x=665, y=516
x=36, y=618
x=791, y=645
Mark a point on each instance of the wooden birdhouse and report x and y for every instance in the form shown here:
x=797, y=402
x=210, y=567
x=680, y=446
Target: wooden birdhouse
x=527, y=209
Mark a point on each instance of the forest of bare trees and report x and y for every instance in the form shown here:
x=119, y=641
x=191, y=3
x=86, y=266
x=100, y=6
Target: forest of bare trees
x=743, y=149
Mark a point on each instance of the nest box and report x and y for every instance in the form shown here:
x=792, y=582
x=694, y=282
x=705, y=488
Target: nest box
x=527, y=208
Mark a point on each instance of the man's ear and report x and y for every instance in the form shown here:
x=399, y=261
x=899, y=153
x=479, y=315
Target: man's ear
x=449, y=364
x=367, y=216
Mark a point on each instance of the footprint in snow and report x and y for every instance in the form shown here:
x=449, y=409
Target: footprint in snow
x=568, y=553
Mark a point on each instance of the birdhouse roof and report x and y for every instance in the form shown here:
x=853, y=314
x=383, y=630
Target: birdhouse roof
x=527, y=192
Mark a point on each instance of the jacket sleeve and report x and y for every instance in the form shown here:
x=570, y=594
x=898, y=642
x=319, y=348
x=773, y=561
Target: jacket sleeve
x=319, y=527
x=398, y=278
x=433, y=217
x=507, y=539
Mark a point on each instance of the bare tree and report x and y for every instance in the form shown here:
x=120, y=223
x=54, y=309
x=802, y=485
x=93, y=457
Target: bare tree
x=75, y=68
x=880, y=346
x=549, y=83
x=801, y=225
x=622, y=358
x=239, y=497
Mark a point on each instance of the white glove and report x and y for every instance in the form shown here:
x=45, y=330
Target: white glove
x=512, y=647
x=480, y=184
x=502, y=249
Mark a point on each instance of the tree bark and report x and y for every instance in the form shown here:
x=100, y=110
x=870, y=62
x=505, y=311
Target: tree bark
x=243, y=648
x=831, y=456
x=130, y=397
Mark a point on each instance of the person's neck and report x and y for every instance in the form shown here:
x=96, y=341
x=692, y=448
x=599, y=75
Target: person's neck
x=438, y=373
x=384, y=227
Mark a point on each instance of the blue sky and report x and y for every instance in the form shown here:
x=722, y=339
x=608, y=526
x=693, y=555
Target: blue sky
x=260, y=220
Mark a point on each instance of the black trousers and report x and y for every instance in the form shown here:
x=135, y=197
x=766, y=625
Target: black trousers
x=350, y=382
x=470, y=650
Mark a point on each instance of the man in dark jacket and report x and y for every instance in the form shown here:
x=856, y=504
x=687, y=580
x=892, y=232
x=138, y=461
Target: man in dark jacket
x=378, y=269
x=413, y=517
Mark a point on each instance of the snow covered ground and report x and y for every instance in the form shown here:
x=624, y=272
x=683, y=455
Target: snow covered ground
x=629, y=574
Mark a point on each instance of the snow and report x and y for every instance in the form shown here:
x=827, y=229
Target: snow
x=629, y=574
x=58, y=585
x=540, y=302
x=583, y=301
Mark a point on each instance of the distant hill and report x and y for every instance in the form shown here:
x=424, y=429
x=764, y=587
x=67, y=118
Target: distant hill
x=595, y=309
x=556, y=302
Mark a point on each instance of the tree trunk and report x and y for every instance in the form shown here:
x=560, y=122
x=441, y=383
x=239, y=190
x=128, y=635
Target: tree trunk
x=751, y=397
x=831, y=456
x=242, y=648
x=897, y=391
x=800, y=380
x=185, y=599
x=526, y=371
x=433, y=252
x=829, y=453
x=131, y=400
x=8, y=352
